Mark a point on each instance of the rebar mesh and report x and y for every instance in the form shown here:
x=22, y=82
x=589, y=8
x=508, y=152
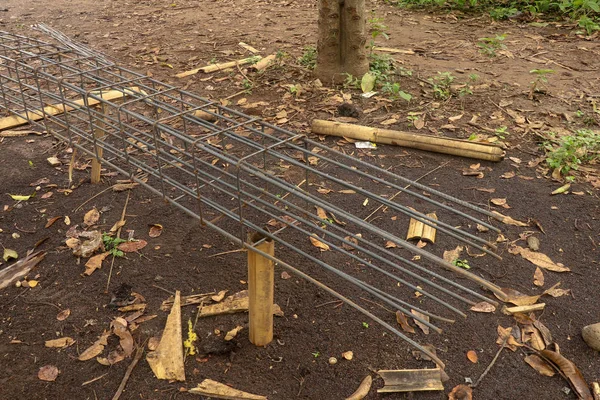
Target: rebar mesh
x=239, y=175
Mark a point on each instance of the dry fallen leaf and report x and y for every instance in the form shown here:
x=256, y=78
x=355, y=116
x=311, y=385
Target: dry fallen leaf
x=321, y=213
x=539, y=259
x=130, y=247
x=421, y=325
x=91, y=217
x=48, y=373
x=317, y=243
x=541, y=366
x=119, y=224
x=483, y=307
x=51, y=221
x=517, y=298
x=505, y=336
x=390, y=245
x=538, y=277
x=219, y=296
x=64, y=314
x=95, y=263
x=233, y=333
x=60, y=342
x=285, y=275
x=451, y=255
x=461, y=392
x=96, y=348
x=571, y=372
x=155, y=230
x=472, y=356
x=403, y=322
x=532, y=336
x=556, y=292
x=348, y=355
x=508, y=220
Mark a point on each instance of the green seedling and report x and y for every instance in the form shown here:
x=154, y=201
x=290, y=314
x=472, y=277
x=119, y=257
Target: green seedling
x=567, y=153
x=365, y=325
x=111, y=245
x=540, y=81
x=441, y=85
x=309, y=57
x=489, y=45
x=461, y=263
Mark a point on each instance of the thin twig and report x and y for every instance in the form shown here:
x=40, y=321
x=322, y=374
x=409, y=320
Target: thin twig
x=329, y=302
x=94, y=380
x=112, y=263
x=377, y=304
x=138, y=355
x=406, y=187
x=91, y=198
x=227, y=252
x=492, y=363
x=164, y=290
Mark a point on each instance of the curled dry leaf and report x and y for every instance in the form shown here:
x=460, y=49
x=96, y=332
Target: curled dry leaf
x=451, y=255
x=403, y=322
x=421, y=325
x=541, y=366
x=508, y=220
x=363, y=389
x=505, y=336
x=570, y=371
x=538, y=277
x=500, y=202
x=96, y=348
x=64, y=314
x=119, y=224
x=91, y=217
x=557, y=292
x=51, y=221
x=517, y=298
x=48, y=373
x=219, y=296
x=461, y=392
x=483, y=307
x=130, y=247
x=348, y=355
x=390, y=245
x=60, y=342
x=233, y=333
x=285, y=275
x=95, y=263
x=119, y=327
x=317, y=243
x=155, y=230
x=531, y=335
x=472, y=356
x=321, y=213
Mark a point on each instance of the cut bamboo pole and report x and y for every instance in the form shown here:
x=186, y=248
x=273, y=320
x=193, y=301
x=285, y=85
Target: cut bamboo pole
x=56, y=109
x=390, y=50
x=248, y=47
x=98, y=135
x=429, y=232
x=264, y=63
x=261, y=287
x=457, y=147
x=525, y=309
x=218, y=67
x=596, y=390
x=205, y=116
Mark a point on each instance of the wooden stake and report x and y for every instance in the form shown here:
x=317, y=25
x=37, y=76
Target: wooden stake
x=98, y=135
x=429, y=231
x=457, y=147
x=261, y=287
x=218, y=67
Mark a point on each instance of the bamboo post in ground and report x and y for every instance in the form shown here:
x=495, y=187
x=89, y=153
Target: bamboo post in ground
x=261, y=288
x=457, y=147
x=98, y=135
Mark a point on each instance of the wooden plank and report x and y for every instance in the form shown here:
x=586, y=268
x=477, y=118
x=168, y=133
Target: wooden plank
x=410, y=380
x=218, y=67
x=525, y=309
x=261, y=288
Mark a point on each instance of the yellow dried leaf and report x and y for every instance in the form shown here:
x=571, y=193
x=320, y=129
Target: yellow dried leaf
x=538, y=277
x=508, y=220
x=541, y=366
x=317, y=243
x=472, y=356
x=483, y=307
x=451, y=255
x=539, y=259
x=91, y=217
x=60, y=342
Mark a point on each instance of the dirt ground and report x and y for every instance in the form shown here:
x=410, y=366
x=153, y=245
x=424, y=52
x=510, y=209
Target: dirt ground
x=162, y=39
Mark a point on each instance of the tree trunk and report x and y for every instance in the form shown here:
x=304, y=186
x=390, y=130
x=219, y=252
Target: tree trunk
x=342, y=39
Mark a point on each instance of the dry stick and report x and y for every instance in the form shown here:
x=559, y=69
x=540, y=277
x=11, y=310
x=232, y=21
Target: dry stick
x=406, y=187
x=94, y=380
x=492, y=363
x=91, y=198
x=138, y=355
x=227, y=252
x=112, y=263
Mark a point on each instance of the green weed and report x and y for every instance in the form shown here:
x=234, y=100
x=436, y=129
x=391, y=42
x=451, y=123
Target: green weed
x=567, y=153
x=309, y=57
x=111, y=245
x=489, y=45
x=441, y=85
x=540, y=81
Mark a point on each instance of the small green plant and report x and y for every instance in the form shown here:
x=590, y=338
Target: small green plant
x=248, y=85
x=441, y=85
x=309, y=57
x=394, y=92
x=316, y=354
x=461, y=263
x=111, y=245
x=501, y=13
x=501, y=132
x=376, y=28
x=489, y=45
x=540, y=81
x=352, y=82
x=365, y=325
x=588, y=24
x=567, y=153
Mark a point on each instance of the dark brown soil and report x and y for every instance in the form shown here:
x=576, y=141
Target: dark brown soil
x=151, y=37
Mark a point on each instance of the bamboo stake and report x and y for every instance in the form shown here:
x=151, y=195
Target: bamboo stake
x=264, y=63
x=261, y=287
x=415, y=229
x=218, y=67
x=429, y=232
x=56, y=109
x=457, y=147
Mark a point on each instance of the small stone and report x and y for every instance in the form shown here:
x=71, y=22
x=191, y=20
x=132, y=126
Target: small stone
x=533, y=243
x=591, y=335
x=15, y=235
x=53, y=161
x=18, y=284
x=332, y=360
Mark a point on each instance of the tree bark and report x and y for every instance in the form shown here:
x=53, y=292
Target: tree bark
x=342, y=39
